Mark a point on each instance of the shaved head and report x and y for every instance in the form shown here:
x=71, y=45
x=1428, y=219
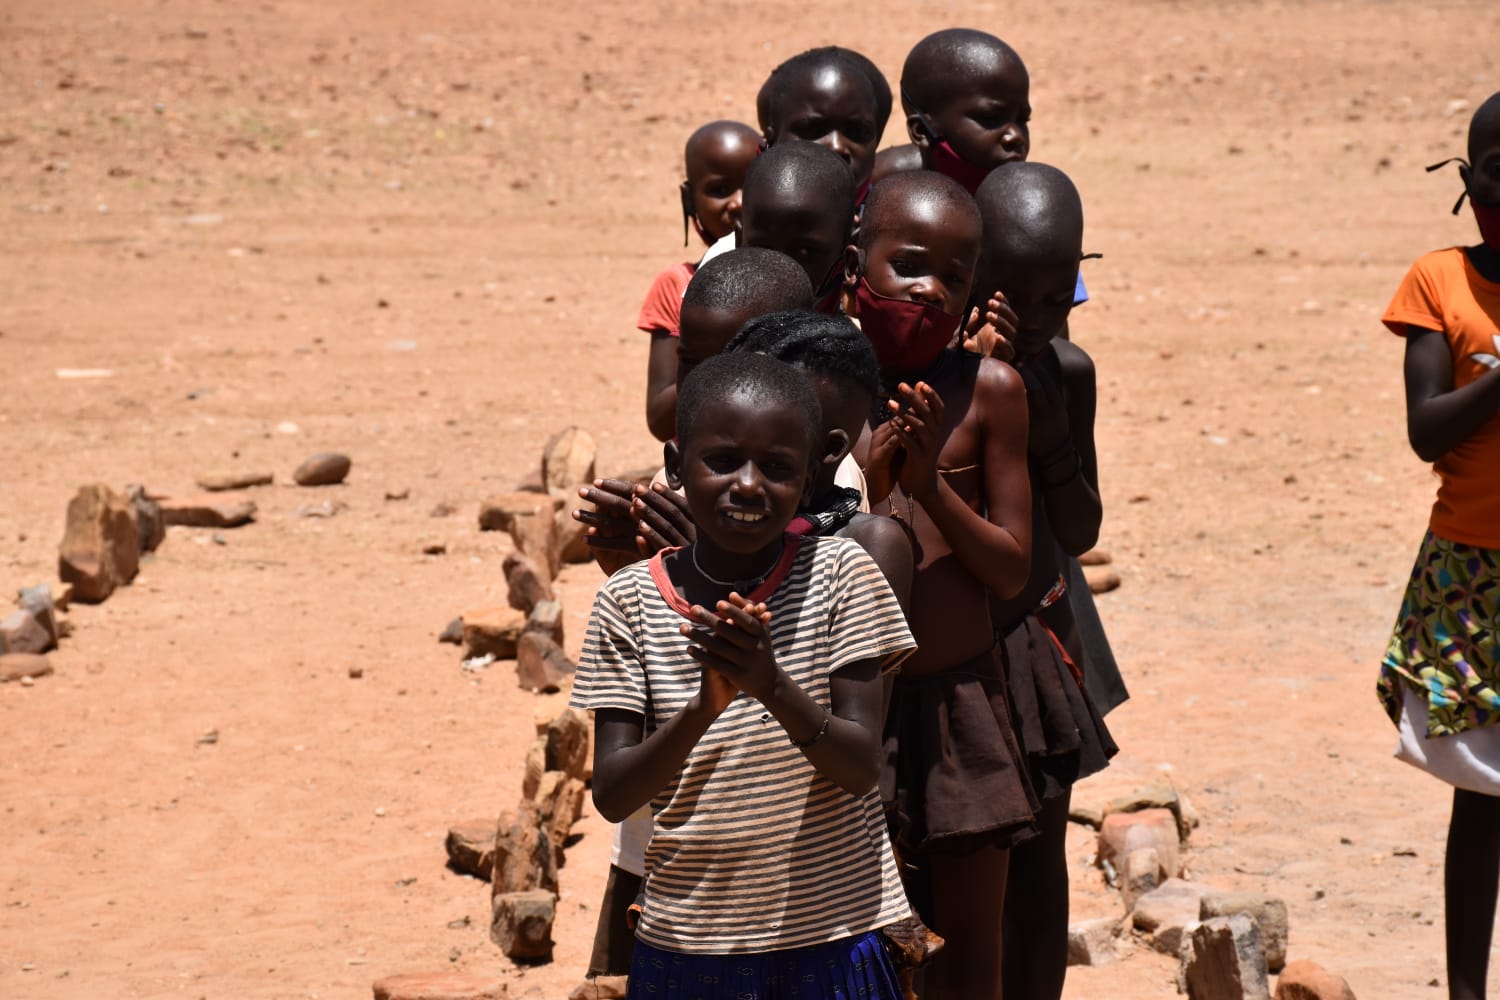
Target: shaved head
x=947, y=63
x=897, y=197
x=796, y=168
x=708, y=141
x=1031, y=210
x=1484, y=127
x=749, y=280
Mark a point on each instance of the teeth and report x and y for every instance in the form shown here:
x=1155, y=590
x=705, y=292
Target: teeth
x=740, y=515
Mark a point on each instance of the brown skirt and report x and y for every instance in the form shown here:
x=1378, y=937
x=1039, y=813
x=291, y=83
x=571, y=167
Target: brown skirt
x=1061, y=733
x=952, y=777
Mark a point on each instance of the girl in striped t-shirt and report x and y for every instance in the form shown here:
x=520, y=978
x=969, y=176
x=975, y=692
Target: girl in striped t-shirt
x=736, y=685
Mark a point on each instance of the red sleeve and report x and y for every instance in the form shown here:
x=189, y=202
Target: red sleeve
x=664, y=299
x=1419, y=300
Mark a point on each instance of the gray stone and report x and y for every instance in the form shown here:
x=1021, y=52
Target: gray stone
x=20, y=632
x=326, y=468
x=1166, y=913
x=1223, y=959
x=522, y=924
x=1268, y=912
x=150, y=522
x=535, y=767
x=547, y=618
x=1097, y=942
x=531, y=520
x=471, y=848
x=559, y=803
x=453, y=632
x=573, y=534
x=101, y=546
x=541, y=665
x=39, y=601
x=524, y=580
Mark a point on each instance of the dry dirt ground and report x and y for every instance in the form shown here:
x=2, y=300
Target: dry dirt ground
x=421, y=235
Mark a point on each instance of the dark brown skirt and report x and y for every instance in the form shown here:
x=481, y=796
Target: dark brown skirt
x=953, y=778
x=1060, y=731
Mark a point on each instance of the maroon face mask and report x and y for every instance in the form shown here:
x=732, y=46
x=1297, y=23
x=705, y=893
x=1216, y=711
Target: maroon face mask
x=948, y=163
x=907, y=336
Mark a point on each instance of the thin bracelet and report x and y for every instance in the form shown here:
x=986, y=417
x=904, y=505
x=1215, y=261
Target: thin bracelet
x=821, y=730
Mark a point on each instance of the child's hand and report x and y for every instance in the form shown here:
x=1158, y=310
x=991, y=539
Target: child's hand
x=881, y=467
x=662, y=518
x=989, y=332
x=734, y=643
x=1049, y=433
x=613, y=535
x=916, y=424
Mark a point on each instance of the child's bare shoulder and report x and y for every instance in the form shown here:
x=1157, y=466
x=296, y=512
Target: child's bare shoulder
x=998, y=389
x=1074, y=361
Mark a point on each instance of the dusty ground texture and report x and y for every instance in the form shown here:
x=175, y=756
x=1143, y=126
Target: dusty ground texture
x=421, y=238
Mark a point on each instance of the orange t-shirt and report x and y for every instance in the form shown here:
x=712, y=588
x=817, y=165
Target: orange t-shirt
x=663, y=303
x=1443, y=291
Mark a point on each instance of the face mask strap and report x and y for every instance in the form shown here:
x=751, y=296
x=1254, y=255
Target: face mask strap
x=1462, y=162
x=686, y=190
x=1090, y=256
x=921, y=116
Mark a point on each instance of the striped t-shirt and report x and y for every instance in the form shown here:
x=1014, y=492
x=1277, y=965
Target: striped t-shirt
x=752, y=848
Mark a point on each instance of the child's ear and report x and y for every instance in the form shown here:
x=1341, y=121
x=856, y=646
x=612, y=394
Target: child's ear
x=671, y=455
x=836, y=447
x=853, y=268
x=919, y=131
x=686, y=190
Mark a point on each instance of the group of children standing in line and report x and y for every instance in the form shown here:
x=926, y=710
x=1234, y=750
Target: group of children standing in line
x=845, y=670
x=841, y=669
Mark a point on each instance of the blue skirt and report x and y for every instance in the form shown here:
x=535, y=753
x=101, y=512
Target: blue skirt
x=852, y=967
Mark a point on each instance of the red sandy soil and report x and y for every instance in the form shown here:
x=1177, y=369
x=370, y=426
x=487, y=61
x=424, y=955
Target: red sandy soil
x=420, y=234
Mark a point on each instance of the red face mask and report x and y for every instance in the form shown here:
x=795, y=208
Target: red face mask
x=948, y=163
x=1487, y=214
x=907, y=336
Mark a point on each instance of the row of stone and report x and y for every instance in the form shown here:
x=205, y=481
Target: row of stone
x=1227, y=942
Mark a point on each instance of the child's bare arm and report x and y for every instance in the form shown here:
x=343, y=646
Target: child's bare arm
x=995, y=547
x=887, y=543
x=1438, y=416
x=661, y=386
x=630, y=770
x=1069, y=480
x=842, y=742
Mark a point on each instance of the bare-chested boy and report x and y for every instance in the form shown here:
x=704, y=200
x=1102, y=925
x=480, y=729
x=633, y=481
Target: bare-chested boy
x=947, y=453
x=1033, y=240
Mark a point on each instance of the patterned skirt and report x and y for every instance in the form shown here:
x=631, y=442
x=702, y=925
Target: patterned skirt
x=850, y=968
x=1444, y=645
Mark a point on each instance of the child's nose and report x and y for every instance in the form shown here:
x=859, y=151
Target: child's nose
x=840, y=145
x=733, y=206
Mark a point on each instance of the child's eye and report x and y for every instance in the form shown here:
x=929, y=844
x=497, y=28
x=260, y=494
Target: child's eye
x=860, y=132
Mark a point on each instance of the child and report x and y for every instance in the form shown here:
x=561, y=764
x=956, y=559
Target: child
x=834, y=97
x=950, y=461
x=1033, y=240
x=1441, y=672
x=838, y=362
x=716, y=157
x=754, y=884
x=799, y=199
x=723, y=294
x=967, y=98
